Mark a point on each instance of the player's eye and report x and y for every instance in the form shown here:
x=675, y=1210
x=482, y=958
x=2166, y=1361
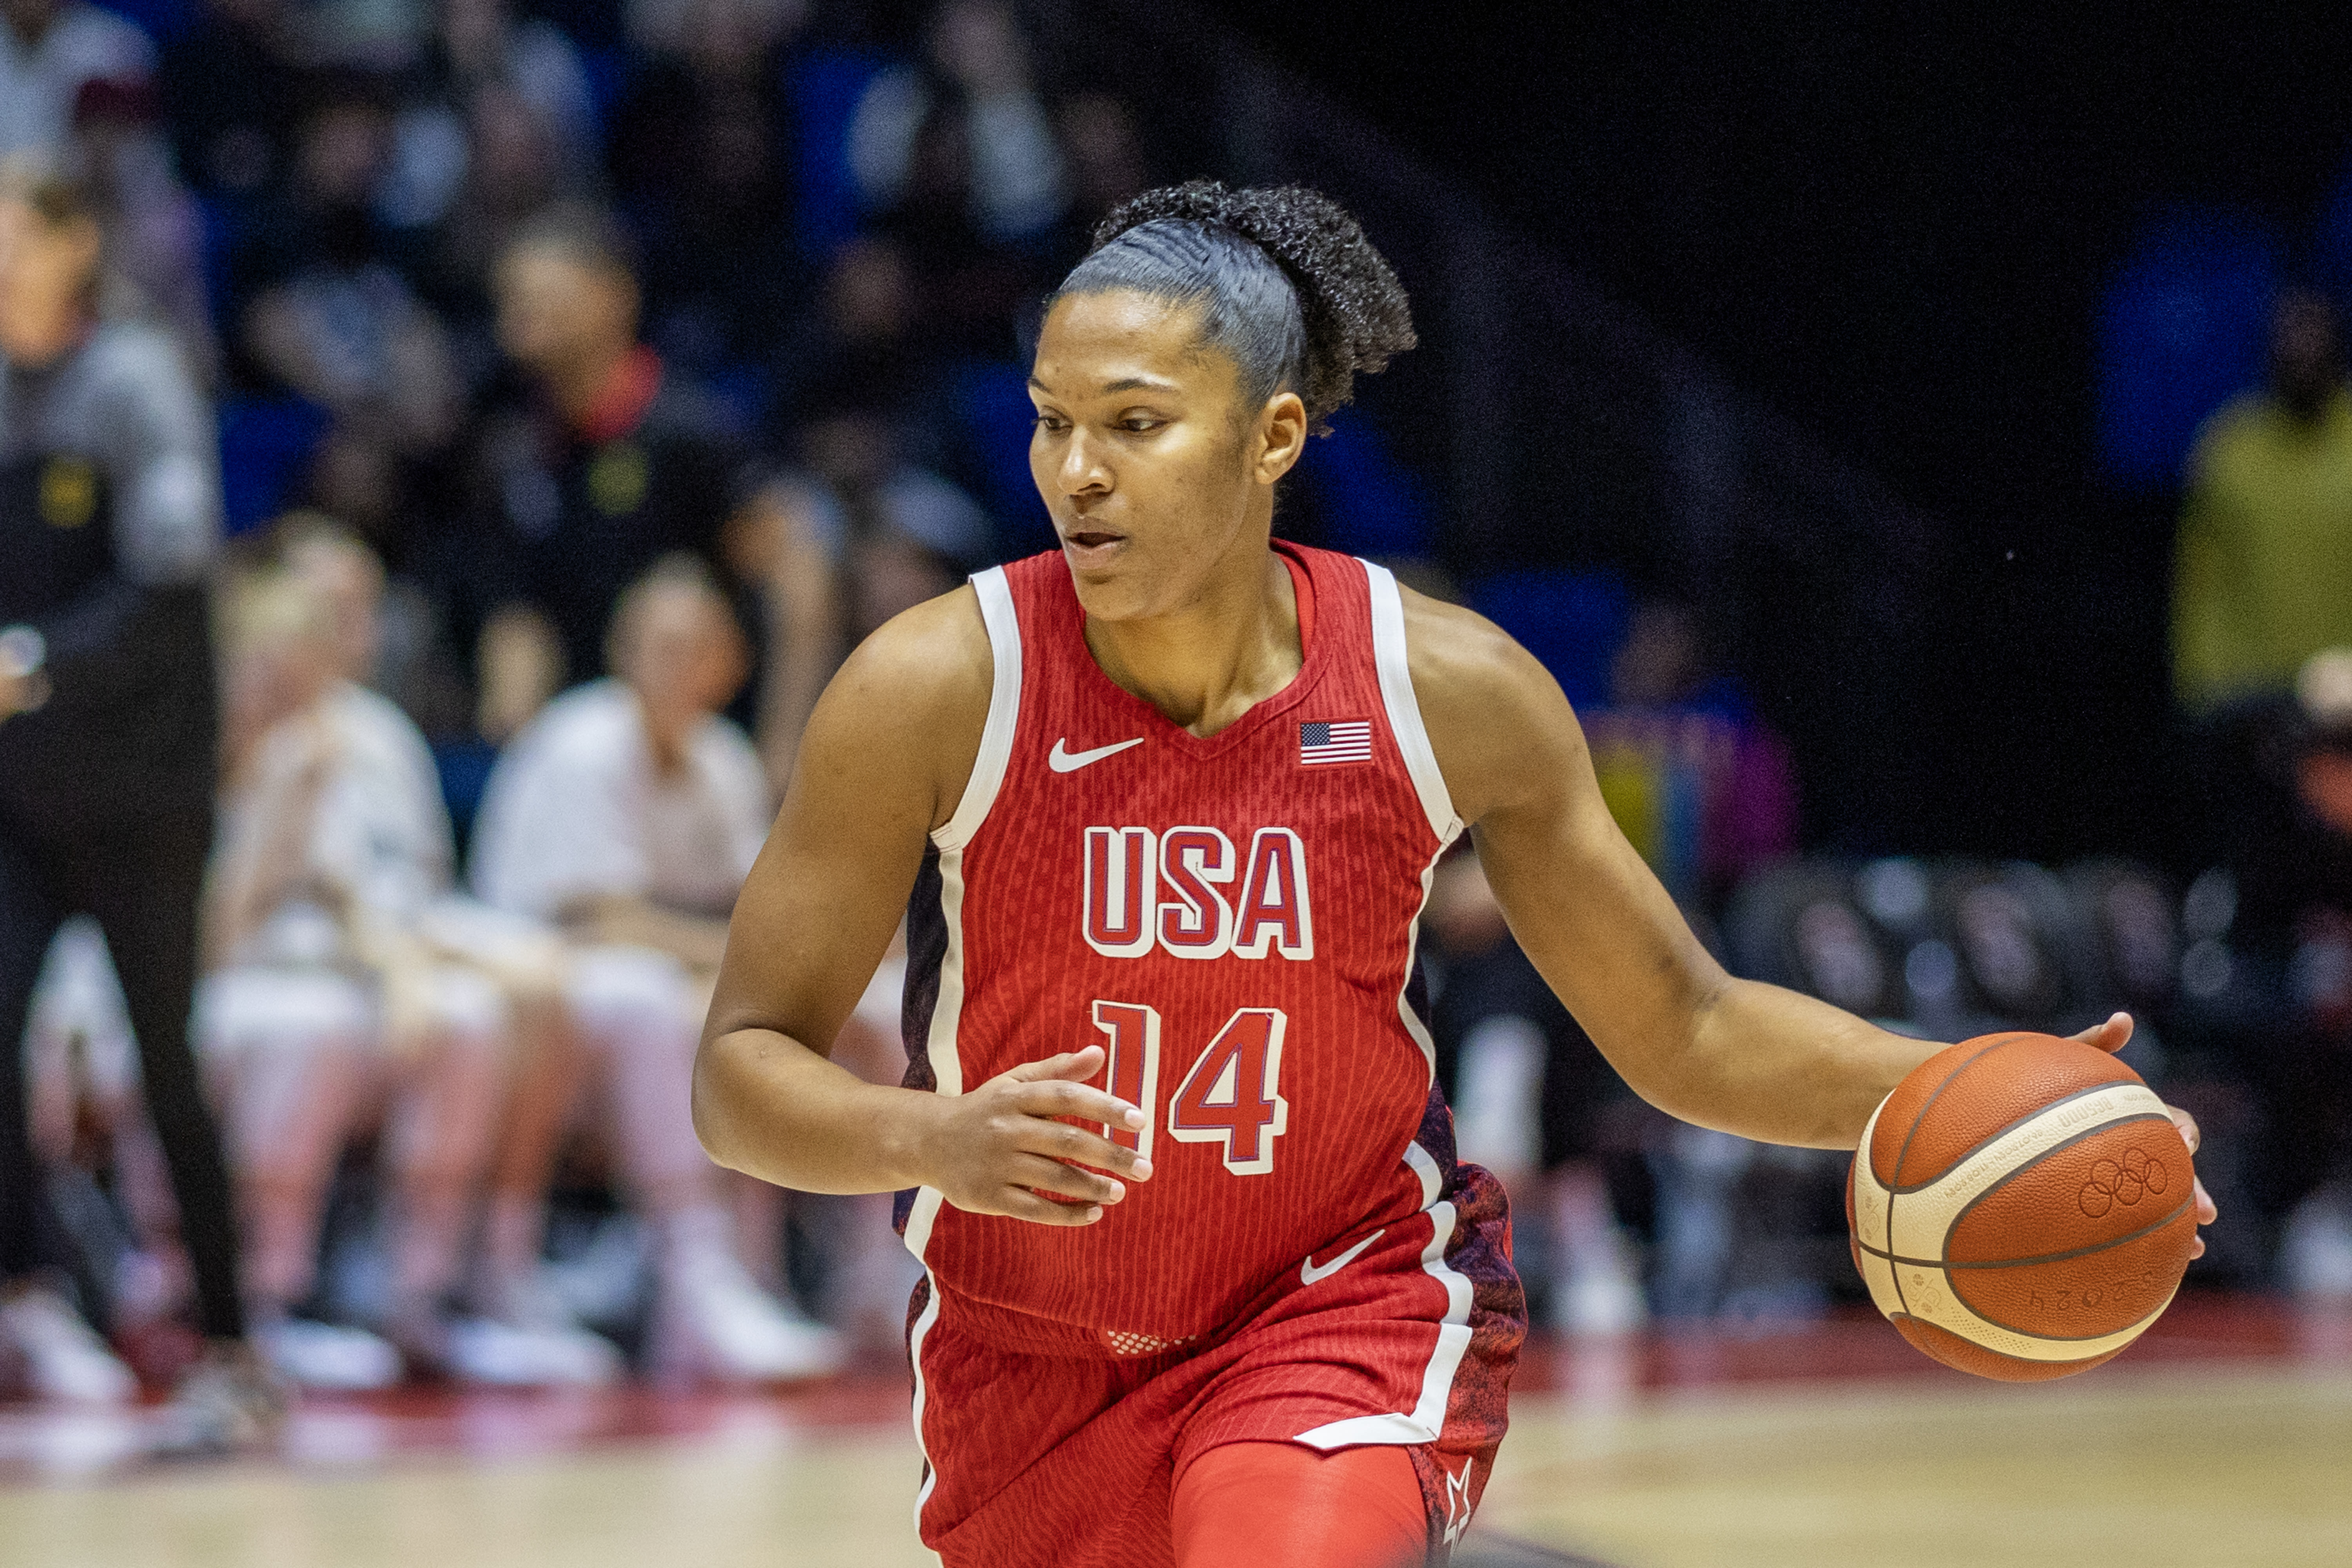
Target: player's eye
x=1052, y=422
x=1140, y=424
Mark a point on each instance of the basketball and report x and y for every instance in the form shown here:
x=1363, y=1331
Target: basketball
x=2021, y=1207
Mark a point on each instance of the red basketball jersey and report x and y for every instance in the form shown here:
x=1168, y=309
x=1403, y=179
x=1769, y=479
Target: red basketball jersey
x=1233, y=920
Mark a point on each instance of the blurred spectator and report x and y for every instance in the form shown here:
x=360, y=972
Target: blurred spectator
x=333, y=318
x=2263, y=573
x=702, y=156
x=969, y=286
x=110, y=520
x=232, y=94
x=48, y=49
x=2295, y=926
x=1530, y=1092
x=863, y=328
x=1107, y=167
x=974, y=102
x=514, y=171
x=368, y=35
x=327, y=1011
x=629, y=813
x=902, y=533
x=613, y=462
x=1704, y=792
x=154, y=234
x=438, y=132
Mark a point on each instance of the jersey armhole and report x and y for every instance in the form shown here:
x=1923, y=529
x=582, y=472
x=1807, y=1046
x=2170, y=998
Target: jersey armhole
x=1388, y=656
x=995, y=596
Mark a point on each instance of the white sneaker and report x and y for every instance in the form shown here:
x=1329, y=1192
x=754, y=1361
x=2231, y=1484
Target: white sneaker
x=535, y=1355
x=64, y=1358
x=1598, y=1303
x=2315, y=1251
x=230, y=1401
x=327, y=1356
x=713, y=1320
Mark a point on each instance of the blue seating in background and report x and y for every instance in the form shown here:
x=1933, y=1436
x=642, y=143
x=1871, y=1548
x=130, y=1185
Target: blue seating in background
x=1370, y=503
x=266, y=445
x=2183, y=328
x=825, y=86
x=990, y=401
x=607, y=70
x=464, y=769
x=1573, y=622
x=163, y=20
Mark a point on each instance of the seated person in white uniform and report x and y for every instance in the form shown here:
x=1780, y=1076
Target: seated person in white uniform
x=629, y=811
x=325, y=1012
x=523, y=956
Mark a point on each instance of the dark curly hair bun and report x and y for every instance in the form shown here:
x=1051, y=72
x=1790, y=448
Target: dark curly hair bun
x=1342, y=314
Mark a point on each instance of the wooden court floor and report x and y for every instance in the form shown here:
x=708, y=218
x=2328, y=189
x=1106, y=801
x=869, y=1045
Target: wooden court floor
x=2225, y=1440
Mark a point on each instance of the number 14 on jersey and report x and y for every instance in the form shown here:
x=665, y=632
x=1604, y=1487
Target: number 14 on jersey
x=1230, y=1095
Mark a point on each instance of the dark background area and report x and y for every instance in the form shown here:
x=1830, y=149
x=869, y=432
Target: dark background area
x=1895, y=227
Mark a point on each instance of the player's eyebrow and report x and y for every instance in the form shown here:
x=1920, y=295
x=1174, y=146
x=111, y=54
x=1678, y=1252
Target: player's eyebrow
x=1124, y=383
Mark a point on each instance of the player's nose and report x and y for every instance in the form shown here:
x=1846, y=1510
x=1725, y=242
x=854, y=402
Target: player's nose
x=1083, y=470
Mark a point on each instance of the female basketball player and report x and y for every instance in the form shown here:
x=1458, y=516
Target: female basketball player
x=1205, y=1284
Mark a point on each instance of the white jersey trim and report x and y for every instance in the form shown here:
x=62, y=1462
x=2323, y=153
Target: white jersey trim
x=1003, y=712
x=931, y=1315
x=979, y=792
x=1426, y=1419
x=946, y=1076
x=1388, y=657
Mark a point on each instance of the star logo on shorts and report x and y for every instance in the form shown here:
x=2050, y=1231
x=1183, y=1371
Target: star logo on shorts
x=1457, y=1501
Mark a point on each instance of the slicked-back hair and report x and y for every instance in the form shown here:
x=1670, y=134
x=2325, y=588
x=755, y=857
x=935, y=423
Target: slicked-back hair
x=1287, y=285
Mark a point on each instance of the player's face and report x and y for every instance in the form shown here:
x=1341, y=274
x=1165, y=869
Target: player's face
x=1155, y=474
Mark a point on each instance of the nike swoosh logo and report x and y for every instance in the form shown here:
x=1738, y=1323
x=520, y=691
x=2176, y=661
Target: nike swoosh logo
x=1067, y=762
x=1309, y=1271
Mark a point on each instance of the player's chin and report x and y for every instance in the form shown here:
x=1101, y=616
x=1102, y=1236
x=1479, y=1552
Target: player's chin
x=1121, y=591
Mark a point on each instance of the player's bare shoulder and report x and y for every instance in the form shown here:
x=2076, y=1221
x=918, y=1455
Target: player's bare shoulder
x=905, y=709
x=1497, y=718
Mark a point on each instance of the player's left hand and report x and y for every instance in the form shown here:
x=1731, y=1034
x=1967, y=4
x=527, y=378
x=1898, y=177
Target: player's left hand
x=2111, y=1038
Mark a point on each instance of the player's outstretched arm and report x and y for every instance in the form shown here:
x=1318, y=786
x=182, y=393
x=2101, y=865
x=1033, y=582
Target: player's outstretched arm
x=883, y=762
x=1744, y=1058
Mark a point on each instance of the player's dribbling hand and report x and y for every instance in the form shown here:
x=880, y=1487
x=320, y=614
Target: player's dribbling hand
x=999, y=1150
x=2112, y=1037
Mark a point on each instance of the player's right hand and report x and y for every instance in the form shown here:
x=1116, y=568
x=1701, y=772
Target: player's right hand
x=1001, y=1150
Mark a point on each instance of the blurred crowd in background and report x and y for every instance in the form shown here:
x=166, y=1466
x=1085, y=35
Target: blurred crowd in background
x=574, y=385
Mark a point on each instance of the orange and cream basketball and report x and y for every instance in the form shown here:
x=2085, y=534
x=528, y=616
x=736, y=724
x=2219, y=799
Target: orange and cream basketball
x=2021, y=1207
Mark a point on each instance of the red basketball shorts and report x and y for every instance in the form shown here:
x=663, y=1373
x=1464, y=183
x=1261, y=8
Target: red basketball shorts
x=1407, y=1336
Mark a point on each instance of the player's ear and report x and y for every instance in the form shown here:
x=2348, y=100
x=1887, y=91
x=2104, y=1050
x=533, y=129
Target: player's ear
x=1282, y=437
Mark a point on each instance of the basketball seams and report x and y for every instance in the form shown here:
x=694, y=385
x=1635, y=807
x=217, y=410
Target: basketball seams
x=1953, y=1315
x=1948, y=1265
x=2016, y=1162
x=1998, y=1133
x=1912, y=1132
x=2014, y=1171
x=2134, y=1329
x=1876, y=1193
x=1922, y=1223
x=1962, y=1354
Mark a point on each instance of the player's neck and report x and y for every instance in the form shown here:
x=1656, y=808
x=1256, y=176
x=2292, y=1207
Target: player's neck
x=1207, y=663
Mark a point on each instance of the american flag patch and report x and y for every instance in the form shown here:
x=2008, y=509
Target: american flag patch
x=1348, y=742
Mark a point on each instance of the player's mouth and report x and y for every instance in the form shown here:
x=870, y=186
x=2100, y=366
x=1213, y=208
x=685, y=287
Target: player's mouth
x=1091, y=546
